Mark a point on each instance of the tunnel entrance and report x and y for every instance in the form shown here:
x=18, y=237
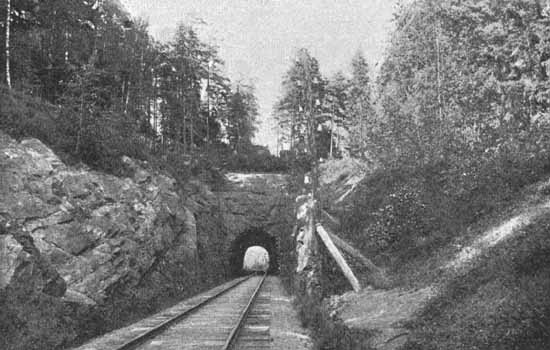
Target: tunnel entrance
x=256, y=258
x=250, y=238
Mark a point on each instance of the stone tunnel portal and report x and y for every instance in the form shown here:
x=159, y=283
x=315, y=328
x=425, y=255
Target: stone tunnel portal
x=253, y=237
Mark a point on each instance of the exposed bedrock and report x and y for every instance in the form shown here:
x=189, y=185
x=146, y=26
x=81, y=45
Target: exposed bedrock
x=95, y=230
x=80, y=241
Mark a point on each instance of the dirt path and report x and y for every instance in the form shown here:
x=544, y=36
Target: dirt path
x=286, y=331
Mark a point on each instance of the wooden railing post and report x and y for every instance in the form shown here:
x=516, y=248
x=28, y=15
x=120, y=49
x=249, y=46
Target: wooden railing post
x=335, y=253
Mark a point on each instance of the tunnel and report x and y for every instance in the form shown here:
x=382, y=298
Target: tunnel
x=250, y=238
x=256, y=258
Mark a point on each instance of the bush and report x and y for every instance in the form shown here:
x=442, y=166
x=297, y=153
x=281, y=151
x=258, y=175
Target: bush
x=406, y=213
x=254, y=158
x=100, y=140
x=104, y=137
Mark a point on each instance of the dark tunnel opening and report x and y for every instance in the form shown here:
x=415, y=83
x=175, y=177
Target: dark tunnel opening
x=247, y=239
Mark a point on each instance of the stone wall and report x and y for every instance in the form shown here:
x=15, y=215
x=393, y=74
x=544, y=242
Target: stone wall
x=256, y=202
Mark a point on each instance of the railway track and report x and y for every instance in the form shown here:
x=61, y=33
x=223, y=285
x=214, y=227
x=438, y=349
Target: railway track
x=235, y=316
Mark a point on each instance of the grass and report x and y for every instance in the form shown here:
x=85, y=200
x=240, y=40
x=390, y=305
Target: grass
x=328, y=332
x=502, y=303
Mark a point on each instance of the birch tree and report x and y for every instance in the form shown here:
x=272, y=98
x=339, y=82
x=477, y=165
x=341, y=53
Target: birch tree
x=7, y=46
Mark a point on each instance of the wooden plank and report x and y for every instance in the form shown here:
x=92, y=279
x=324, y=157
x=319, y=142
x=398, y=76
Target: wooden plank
x=377, y=276
x=337, y=256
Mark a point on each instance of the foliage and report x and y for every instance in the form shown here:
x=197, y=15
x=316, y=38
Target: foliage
x=460, y=122
x=255, y=159
x=242, y=111
x=103, y=139
x=400, y=218
x=359, y=105
x=464, y=82
x=337, y=108
x=119, y=91
x=299, y=110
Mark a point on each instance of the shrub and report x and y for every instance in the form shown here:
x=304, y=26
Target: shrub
x=100, y=143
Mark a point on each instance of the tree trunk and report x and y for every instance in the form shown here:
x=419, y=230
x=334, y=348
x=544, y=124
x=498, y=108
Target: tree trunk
x=438, y=67
x=122, y=95
x=278, y=141
x=8, y=22
x=209, y=108
x=191, y=131
x=127, y=99
x=80, y=121
x=292, y=122
x=361, y=132
x=183, y=130
x=66, y=56
x=192, y=121
x=152, y=105
x=331, y=132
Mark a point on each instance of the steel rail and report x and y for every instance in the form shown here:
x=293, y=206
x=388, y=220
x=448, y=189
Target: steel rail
x=138, y=340
x=242, y=318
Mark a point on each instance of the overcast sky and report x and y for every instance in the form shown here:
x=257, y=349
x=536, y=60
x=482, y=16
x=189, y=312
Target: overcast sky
x=258, y=38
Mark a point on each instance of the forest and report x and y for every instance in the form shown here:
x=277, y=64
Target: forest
x=118, y=91
x=462, y=84
x=462, y=88
x=454, y=120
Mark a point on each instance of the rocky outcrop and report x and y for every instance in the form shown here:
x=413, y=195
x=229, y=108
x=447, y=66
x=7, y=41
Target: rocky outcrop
x=339, y=178
x=95, y=230
x=88, y=239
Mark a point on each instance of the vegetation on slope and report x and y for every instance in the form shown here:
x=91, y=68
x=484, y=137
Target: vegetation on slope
x=118, y=91
x=502, y=303
x=457, y=123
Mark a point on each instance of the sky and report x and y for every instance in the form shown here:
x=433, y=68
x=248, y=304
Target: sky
x=258, y=39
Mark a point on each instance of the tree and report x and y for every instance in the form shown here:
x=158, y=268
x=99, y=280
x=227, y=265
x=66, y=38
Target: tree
x=101, y=66
x=242, y=112
x=465, y=85
x=359, y=104
x=7, y=43
x=299, y=110
x=18, y=14
x=214, y=104
x=335, y=107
